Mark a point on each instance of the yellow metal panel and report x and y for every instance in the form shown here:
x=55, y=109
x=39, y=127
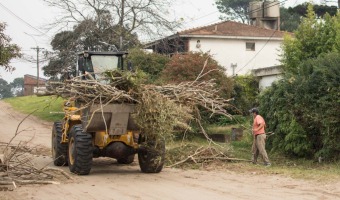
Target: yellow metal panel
x=102, y=139
x=75, y=117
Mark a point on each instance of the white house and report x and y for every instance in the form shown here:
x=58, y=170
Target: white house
x=240, y=48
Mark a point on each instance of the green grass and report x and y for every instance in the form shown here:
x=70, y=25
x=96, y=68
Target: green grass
x=225, y=130
x=281, y=165
x=45, y=107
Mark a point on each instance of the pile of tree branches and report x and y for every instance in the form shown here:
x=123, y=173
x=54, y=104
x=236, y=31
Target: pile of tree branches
x=159, y=108
x=17, y=165
x=189, y=154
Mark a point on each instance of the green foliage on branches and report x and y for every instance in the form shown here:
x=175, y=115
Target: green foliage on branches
x=289, y=21
x=313, y=37
x=303, y=108
x=5, y=89
x=150, y=63
x=18, y=86
x=290, y=17
x=245, y=93
x=8, y=51
x=89, y=34
x=320, y=10
x=234, y=9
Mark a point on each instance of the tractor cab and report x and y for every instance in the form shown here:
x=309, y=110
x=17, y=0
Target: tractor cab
x=96, y=63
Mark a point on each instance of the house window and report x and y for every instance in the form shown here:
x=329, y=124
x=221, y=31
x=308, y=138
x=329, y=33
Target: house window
x=250, y=46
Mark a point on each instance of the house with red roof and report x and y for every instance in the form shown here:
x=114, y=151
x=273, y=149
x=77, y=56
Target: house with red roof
x=240, y=48
x=31, y=84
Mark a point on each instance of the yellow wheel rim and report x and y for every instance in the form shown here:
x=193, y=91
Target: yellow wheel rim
x=71, y=150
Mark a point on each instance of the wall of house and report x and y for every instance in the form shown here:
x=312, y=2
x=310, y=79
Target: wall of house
x=30, y=82
x=267, y=81
x=233, y=51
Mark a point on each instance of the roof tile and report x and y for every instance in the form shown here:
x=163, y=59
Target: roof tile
x=230, y=28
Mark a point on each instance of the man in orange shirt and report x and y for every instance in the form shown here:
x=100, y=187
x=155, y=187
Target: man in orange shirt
x=259, y=142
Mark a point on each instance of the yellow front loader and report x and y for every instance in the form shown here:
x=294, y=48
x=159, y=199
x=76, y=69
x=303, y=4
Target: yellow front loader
x=102, y=130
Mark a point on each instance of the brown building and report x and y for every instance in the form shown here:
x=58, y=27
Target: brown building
x=30, y=83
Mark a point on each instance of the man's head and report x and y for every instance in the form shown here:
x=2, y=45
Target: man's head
x=254, y=110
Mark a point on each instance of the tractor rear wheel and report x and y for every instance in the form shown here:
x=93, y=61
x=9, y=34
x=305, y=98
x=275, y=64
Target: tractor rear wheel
x=151, y=156
x=127, y=160
x=80, y=151
x=59, y=150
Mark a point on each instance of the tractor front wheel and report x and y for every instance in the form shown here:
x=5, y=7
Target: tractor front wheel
x=151, y=155
x=59, y=150
x=80, y=151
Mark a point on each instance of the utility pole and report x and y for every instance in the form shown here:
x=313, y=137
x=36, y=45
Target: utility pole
x=38, y=50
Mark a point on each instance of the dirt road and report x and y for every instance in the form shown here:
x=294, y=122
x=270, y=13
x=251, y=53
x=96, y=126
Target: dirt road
x=108, y=180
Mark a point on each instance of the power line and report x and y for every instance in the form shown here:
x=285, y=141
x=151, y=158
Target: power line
x=250, y=12
x=257, y=52
x=261, y=48
x=247, y=13
x=28, y=24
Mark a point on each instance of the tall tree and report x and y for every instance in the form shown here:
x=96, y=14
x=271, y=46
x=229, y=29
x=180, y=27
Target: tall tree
x=234, y=9
x=17, y=86
x=312, y=38
x=5, y=89
x=8, y=51
x=87, y=35
x=147, y=17
x=289, y=21
x=319, y=10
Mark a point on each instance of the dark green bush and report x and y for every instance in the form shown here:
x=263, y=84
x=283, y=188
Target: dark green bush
x=304, y=109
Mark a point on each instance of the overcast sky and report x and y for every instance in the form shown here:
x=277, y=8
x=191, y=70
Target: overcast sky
x=26, y=20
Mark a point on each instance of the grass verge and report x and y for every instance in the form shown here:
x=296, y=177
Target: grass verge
x=47, y=107
x=281, y=165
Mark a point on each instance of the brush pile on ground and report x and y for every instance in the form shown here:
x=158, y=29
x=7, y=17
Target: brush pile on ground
x=159, y=108
x=17, y=167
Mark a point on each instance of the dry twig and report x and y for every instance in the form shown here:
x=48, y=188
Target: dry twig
x=17, y=166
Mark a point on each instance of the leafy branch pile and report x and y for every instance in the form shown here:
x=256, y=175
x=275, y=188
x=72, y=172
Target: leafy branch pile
x=159, y=109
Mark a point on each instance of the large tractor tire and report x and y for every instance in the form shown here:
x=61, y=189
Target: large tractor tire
x=59, y=150
x=151, y=156
x=80, y=151
x=127, y=160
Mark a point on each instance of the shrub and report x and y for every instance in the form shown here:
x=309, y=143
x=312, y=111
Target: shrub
x=304, y=110
x=150, y=63
x=187, y=67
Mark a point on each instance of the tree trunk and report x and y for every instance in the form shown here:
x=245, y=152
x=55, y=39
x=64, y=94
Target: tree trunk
x=121, y=22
